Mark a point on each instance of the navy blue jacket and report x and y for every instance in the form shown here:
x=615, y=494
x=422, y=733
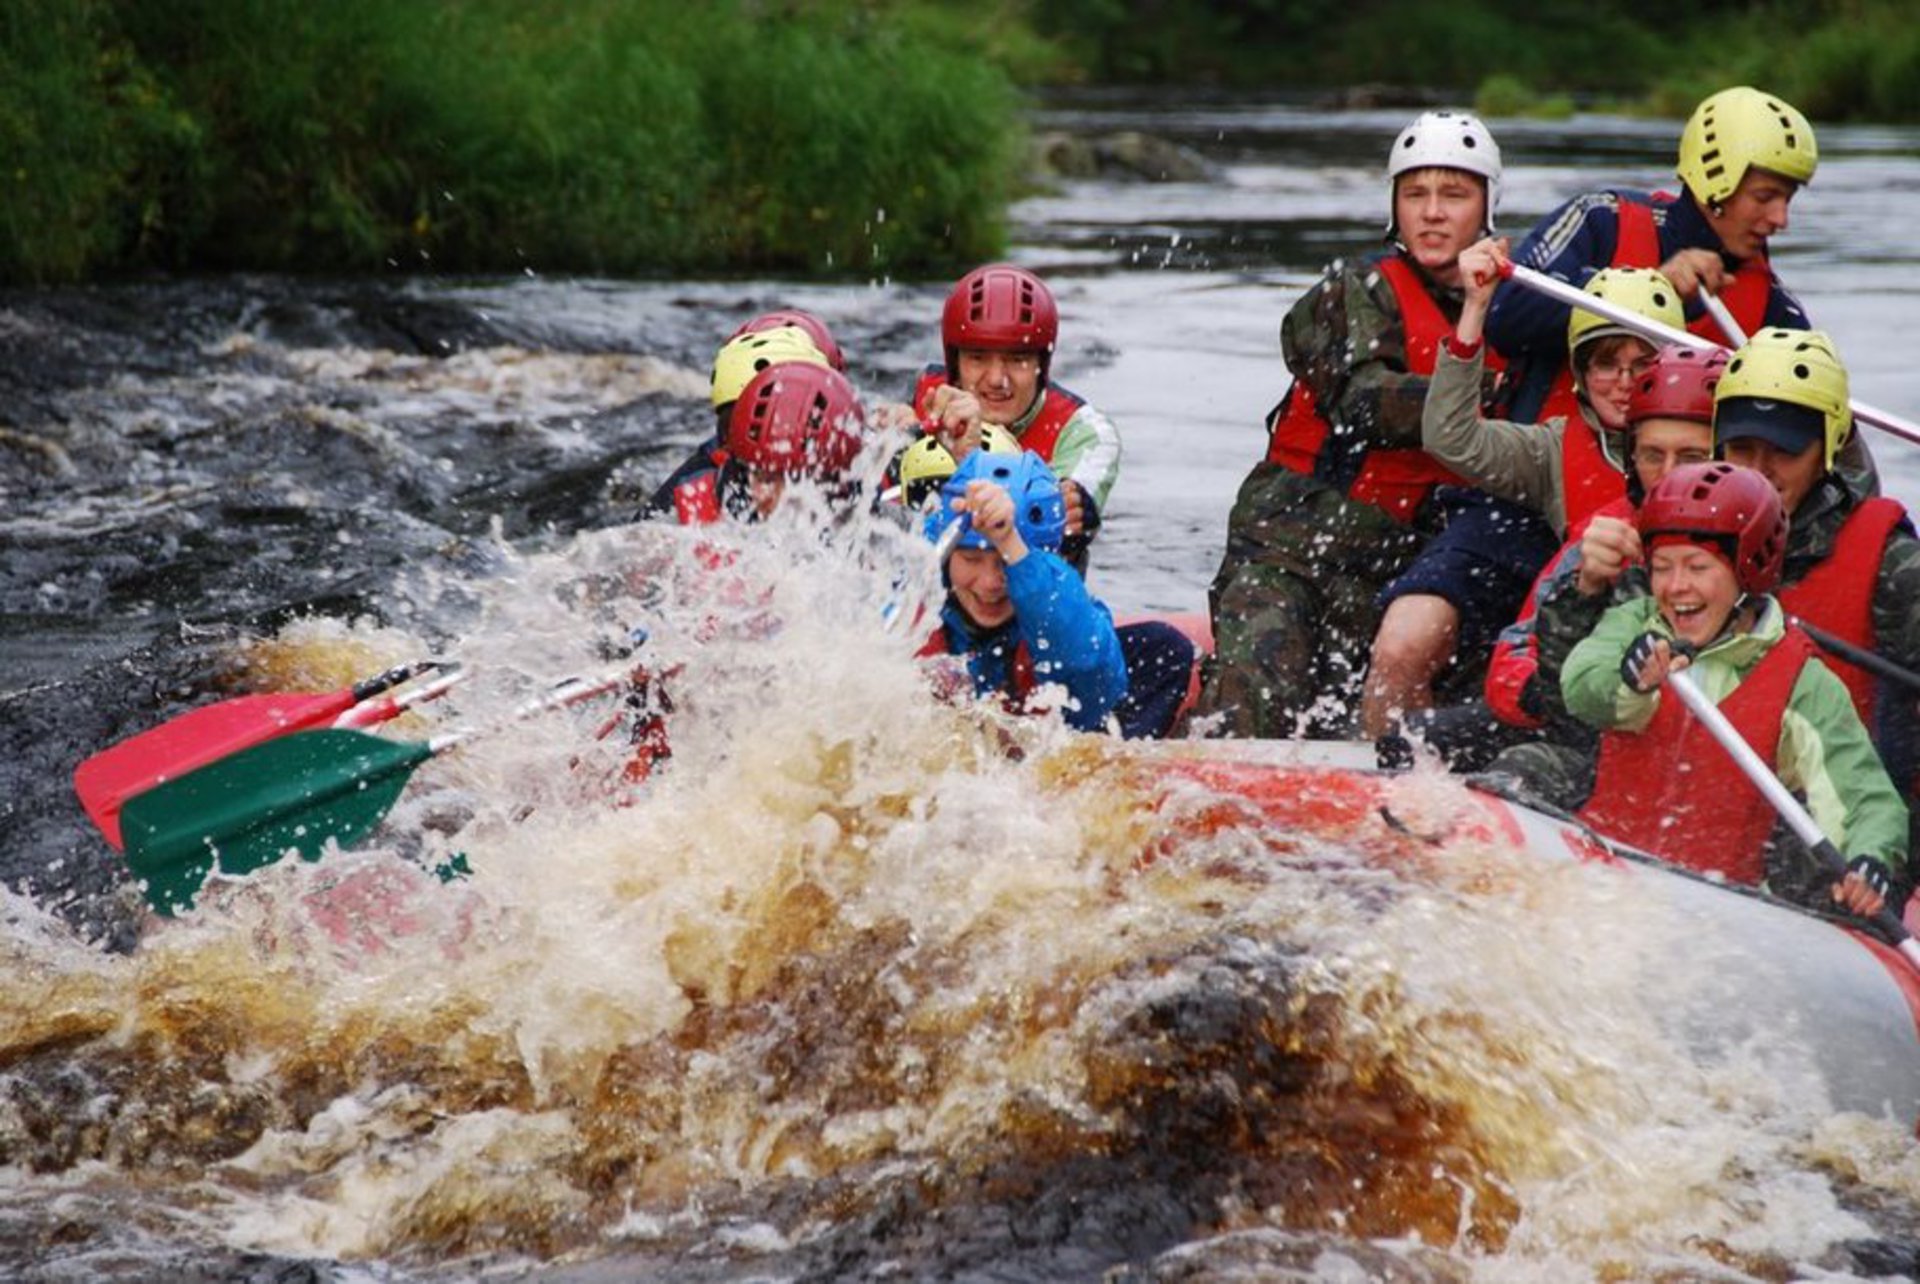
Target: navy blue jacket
x=1573, y=243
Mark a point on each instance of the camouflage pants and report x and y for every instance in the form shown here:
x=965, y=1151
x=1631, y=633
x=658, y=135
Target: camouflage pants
x=1556, y=772
x=1294, y=606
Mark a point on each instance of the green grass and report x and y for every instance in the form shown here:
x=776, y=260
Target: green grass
x=614, y=136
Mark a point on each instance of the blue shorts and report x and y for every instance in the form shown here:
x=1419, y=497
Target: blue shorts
x=1483, y=561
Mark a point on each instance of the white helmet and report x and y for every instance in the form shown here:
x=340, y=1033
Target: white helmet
x=1446, y=140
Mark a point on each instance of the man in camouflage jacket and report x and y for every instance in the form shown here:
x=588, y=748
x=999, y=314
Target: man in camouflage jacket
x=1308, y=551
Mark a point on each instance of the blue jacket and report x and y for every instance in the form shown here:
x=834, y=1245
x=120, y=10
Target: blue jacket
x=1067, y=635
x=1573, y=243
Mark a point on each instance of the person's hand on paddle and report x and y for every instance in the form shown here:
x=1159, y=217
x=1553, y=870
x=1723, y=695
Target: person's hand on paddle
x=1865, y=888
x=1691, y=269
x=1482, y=267
x=1648, y=662
x=1607, y=548
x=992, y=511
x=1076, y=501
x=953, y=415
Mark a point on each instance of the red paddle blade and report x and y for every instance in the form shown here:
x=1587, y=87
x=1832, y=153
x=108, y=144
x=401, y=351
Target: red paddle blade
x=119, y=772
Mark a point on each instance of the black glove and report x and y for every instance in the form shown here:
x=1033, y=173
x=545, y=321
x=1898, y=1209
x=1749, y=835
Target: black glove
x=1873, y=874
x=1633, y=665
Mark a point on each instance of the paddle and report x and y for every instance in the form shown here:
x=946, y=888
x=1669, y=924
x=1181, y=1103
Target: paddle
x=1572, y=295
x=291, y=793
x=1682, y=684
x=1872, y=661
x=893, y=613
x=1736, y=337
x=106, y=780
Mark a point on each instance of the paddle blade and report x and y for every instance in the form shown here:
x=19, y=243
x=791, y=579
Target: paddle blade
x=248, y=810
x=169, y=751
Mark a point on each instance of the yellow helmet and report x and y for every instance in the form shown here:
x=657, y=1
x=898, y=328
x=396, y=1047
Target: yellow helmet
x=927, y=463
x=1643, y=290
x=1738, y=128
x=1799, y=367
x=746, y=355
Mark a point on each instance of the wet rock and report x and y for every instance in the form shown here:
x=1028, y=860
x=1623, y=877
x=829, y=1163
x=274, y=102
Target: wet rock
x=1890, y=1258
x=1126, y=154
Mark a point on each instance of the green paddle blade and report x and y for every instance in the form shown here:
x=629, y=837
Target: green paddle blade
x=251, y=808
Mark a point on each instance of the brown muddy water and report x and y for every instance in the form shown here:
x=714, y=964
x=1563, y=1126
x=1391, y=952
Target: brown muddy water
x=859, y=985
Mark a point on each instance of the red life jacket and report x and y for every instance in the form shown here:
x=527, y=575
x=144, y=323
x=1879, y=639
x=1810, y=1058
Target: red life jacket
x=1638, y=245
x=1396, y=480
x=1019, y=673
x=1745, y=295
x=1042, y=433
x=1562, y=401
x=1673, y=791
x=1516, y=654
x=1588, y=478
x=696, y=501
x=1837, y=594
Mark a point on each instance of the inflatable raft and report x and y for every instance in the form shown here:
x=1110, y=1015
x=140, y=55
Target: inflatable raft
x=1850, y=1001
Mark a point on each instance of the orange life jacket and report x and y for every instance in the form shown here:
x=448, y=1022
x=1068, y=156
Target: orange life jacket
x=1638, y=245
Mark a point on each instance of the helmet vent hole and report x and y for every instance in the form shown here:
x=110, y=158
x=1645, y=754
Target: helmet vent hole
x=1801, y=372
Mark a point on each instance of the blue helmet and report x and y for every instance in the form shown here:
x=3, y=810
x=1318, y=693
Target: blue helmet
x=1039, y=509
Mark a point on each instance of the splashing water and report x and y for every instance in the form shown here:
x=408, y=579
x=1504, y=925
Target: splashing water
x=859, y=981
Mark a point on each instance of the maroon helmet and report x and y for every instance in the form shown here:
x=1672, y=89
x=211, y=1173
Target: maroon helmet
x=1000, y=308
x=815, y=328
x=1734, y=509
x=1678, y=385
x=797, y=419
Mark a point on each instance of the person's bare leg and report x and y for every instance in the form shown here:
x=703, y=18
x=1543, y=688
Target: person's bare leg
x=1416, y=639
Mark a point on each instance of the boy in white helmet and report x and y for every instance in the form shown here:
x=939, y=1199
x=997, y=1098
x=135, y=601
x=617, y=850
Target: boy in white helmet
x=1343, y=501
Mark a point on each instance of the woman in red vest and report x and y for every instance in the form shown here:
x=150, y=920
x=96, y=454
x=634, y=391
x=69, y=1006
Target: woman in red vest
x=1715, y=537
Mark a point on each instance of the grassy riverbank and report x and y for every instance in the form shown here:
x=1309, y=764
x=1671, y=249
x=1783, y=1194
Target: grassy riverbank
x=814, y=137
x=1835, y=59
x=618, y=136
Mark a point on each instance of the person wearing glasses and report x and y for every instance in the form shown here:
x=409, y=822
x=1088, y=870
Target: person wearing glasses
x=1540, y=746
x=1563, y=469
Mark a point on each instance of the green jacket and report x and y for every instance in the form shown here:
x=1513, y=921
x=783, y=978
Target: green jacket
x=1087, y=450
x=1565, y=616
x=1824, y=754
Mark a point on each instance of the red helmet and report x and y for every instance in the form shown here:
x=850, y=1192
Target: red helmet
x=1736, y=509
x=815, y=328
x=1000, y=308
x=797, y=418
x=1678, y=385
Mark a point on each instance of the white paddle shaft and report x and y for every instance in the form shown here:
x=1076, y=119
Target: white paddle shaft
x=1573, y=296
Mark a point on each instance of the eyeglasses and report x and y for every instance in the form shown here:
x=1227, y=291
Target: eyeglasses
x=1619, y=369
x=1647, y=457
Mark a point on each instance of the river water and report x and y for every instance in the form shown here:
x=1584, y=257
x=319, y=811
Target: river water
x=858, y=985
